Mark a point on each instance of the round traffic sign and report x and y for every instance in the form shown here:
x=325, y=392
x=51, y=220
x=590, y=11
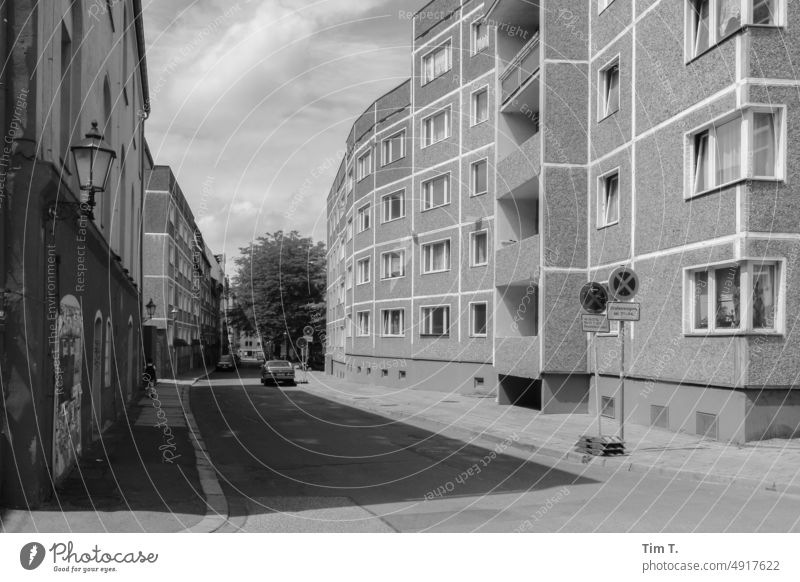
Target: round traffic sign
x=623, y=283
x=308, y=330
x=594, y=297
x=302, y=342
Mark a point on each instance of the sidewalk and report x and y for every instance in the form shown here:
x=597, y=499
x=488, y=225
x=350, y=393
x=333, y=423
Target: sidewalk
x=142, y=475
x=773, y=465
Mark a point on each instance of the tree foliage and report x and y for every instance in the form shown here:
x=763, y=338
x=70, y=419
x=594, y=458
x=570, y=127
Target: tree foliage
x=279, y=286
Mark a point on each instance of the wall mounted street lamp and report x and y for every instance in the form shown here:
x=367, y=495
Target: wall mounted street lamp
x=93, y=158
x=151, y=310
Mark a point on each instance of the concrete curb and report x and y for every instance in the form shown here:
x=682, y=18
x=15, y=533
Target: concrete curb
x=615, y=463
x=217, y=504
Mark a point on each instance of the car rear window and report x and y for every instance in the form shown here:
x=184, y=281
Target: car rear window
x=279, y=364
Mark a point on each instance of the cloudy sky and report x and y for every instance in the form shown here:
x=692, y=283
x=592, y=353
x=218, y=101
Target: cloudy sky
x=252, y=102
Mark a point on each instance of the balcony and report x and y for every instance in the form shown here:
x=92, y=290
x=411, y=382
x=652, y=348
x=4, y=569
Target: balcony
x=519, y=165
x=517, y=263
x=520, y=72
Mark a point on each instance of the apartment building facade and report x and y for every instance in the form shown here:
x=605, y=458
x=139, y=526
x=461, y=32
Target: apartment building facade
x=70, y=320
x=656, y=135
x=183, y=279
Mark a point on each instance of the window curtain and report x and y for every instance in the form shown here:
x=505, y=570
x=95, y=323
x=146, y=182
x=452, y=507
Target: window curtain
x=728, y=137
x=763, y=297
x=764, y=144
x=764, y=11
x=480, y=249
x=701, y=300
x=729, y=13
x=727, y=284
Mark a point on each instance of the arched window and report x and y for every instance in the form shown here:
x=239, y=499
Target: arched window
x=107, y=358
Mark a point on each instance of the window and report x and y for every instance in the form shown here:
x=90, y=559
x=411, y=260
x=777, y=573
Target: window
x=393, y=265
x=716, y=151
x=350, y=182
x=436, y=257
x=362, y=323
x=364, y=165
x=394, y=206
x=393, y=324
x=711, y=21
x=363, y=218
x=477, y=319
x=435, y=321
x=349, y=277
x=436, y=63
x=436, y=192
x=765, y=12
x=480, y=106
x=479, y=248
x=349, y=325
x=480, y=37
x=735, y=298
x=608, y=200
x=394, y=147
x=349, y=229
x=609, y=94
x=363, y=271
x=480, y=177
x=603, y=4
x=436, y=128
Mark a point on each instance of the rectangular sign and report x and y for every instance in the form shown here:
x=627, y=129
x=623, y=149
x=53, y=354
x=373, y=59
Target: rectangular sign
x=595, y=323
x=623, y=311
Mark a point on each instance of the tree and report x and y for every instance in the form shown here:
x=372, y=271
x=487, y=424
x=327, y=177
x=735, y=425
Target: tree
x=280, y=287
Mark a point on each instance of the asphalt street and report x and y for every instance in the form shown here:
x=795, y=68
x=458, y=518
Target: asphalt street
x=291, y=461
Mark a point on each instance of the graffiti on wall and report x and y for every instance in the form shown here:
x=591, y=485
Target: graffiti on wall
x=67, y=413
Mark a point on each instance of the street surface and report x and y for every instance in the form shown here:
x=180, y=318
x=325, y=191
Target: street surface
x=292, y=461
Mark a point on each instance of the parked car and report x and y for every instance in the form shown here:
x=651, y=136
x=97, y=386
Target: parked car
x=278, y=371
x=226, y=362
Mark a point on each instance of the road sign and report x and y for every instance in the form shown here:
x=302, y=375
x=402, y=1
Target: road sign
x=309, y=338
x=593, y=297
x=624, y=311
x=595, y=323
x=302, y=342
x=308, y=330
x=623, y=283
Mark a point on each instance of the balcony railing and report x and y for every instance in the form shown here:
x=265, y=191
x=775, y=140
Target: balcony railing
x=524, y=66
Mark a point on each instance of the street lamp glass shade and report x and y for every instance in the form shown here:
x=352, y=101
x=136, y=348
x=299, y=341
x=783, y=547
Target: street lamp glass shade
x=151, y=308
x=93, y=158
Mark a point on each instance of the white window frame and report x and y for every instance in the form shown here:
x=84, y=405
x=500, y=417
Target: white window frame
x=602, y=194
x=746, y=267
x=745, y=115
x=402, y=322
x=474, y=36
x=446, y=45
x=603, y=110
x=714, y=35
x=350, y=181
x=359, y=318
x=422, y=321
x=384, y=219
x=472, y=332
x=472, y=237
x=385, y=142
x=447, y=111
x=430, y=245
x=474, y=106
x=364, y=165
x=473, y=181
x=364, y=214
x=360, y=271
x=384, y=276
x=603, y=4
x=448, y=196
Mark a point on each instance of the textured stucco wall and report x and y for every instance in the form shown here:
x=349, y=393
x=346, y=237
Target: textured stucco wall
x=564, y=217
x=610, y=23
x=610, y=132
x=564, y=343
x=611, y=243
x=517, y=263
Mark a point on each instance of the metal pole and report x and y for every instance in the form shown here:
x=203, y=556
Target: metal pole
x=597, y=398
x=622, y=381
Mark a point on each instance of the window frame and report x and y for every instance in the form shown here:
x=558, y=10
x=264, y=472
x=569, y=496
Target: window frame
x=472, y=332
x=447, y=110
x=746, y=268
x=422, y=248
x=402, y=311
x=385, y=142
x=448, y=46
x=746, y=160
x=473, y=120
x=475, y=50
x=602, y=193
x=472, y=192
x=423, y=321
x=359, y=315
x=358, y=270
x=448, y=194
x=472, y=237
x=360, y=173
x=384, y=198
x=360, y=214
x=603, y=4
x=402, y=252
x=603, y=111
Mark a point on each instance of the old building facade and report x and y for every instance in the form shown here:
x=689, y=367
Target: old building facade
x=539, y=145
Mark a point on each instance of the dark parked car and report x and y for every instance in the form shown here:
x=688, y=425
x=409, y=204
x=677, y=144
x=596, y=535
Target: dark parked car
x=226, y=362
x=277, y=371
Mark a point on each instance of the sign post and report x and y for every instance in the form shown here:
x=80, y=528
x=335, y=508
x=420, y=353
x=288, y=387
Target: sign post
x=623, y=283
x=594, y=297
